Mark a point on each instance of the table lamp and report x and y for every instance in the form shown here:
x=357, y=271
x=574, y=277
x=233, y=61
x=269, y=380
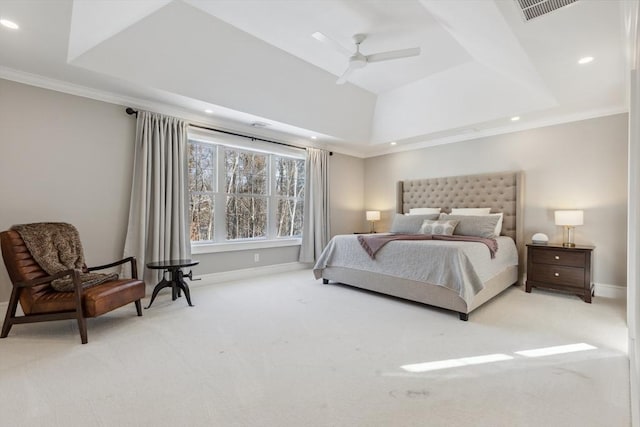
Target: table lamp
x=373, y=216
x=569, y=219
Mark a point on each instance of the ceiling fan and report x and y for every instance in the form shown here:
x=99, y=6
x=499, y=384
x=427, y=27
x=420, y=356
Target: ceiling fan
x=358, y=60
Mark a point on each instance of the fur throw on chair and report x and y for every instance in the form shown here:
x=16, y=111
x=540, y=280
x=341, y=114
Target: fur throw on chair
x=56, y=247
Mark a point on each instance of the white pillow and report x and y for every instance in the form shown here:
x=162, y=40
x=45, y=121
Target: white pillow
x=424, y=211
x=470, y=211
x=498, y=229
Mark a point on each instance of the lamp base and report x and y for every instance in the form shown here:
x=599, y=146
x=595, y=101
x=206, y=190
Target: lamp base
x=567, y=237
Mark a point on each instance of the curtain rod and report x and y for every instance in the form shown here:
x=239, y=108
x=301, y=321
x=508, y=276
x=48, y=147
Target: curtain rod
x=131, y=112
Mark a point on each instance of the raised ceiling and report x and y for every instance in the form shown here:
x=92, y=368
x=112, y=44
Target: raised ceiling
x=248, y=61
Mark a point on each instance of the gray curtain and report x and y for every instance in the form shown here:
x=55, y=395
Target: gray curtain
x=315, y=231
x=158, y=228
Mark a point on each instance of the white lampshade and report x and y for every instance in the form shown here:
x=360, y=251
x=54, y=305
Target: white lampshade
x=373, y=215
x=569, y=217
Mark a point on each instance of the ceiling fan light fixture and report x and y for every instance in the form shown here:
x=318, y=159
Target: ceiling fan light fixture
x=357, y=61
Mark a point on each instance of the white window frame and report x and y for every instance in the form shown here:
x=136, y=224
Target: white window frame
x=222, y=141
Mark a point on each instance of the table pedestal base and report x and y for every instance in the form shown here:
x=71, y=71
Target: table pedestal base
x=176, y=283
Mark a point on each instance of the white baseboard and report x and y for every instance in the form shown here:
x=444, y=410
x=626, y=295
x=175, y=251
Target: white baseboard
x=609, y=291
x=248, y=273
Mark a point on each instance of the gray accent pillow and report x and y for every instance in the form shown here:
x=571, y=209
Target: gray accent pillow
x=409, y=224
x=442, y=227
x=474, y=225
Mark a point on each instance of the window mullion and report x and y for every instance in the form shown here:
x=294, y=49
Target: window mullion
x=220, y=225
x=272, y=200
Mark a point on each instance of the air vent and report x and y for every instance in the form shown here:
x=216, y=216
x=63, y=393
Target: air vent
x=535, y=8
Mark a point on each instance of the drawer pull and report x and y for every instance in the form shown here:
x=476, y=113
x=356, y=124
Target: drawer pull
x=557, y=257
x=556, y=274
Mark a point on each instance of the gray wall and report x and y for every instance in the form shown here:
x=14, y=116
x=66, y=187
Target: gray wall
x=579, y=165
x=68, y=158
x=235, y=260
x=65, y=158
x=346, y=186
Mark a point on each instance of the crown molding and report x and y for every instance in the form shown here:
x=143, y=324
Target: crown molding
x=66, y=87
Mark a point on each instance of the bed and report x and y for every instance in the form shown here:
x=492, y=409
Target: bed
x=471, y=281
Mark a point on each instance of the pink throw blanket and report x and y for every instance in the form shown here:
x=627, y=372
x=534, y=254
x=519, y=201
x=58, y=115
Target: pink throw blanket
x=372, y=243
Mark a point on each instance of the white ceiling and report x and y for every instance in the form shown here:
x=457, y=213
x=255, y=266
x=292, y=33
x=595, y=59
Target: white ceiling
x=255, y=60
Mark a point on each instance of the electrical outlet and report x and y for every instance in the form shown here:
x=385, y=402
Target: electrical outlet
x=256, y=257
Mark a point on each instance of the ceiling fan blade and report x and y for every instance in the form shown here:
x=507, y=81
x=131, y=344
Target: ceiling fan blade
x=393, y=54
x=337, y=46
x=343, y=78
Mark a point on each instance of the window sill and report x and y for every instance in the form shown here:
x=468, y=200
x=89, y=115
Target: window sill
x=205, y=248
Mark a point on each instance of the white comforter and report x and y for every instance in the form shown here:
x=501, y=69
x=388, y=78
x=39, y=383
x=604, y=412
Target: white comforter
x=459, y=266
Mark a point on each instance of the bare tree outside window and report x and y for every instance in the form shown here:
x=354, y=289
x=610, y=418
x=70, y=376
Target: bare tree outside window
x=247, y=191
x=290, y=194
x=202, y=160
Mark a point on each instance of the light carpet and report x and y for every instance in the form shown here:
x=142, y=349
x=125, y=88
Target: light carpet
x=285, y=350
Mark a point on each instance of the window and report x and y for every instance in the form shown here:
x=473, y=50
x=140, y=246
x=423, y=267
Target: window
x=239, y=194
x=289, y=177
x=202, y=181
x=246, y=193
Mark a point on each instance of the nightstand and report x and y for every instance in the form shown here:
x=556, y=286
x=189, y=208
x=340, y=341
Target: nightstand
x=560, y=268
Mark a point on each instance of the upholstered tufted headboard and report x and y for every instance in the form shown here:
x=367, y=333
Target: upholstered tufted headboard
x=499, y=191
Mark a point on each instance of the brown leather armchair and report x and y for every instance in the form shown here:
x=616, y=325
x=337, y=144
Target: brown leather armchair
x=41, y=303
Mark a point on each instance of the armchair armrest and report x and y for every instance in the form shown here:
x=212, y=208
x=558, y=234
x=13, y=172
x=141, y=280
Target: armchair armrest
x=45, y=279
x=131, y=259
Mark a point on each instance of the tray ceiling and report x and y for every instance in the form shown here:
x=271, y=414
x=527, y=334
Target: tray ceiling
x=255, y=60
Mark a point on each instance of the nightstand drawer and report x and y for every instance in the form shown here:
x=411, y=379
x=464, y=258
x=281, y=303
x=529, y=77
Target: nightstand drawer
x=559, y=257
x=559, y=275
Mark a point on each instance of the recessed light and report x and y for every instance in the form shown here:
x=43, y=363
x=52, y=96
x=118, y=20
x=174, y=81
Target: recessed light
x=393, y=143
x=515, y=118
x=208, y=111
x=585, y=60
x=314, y=137
x=9, y=24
